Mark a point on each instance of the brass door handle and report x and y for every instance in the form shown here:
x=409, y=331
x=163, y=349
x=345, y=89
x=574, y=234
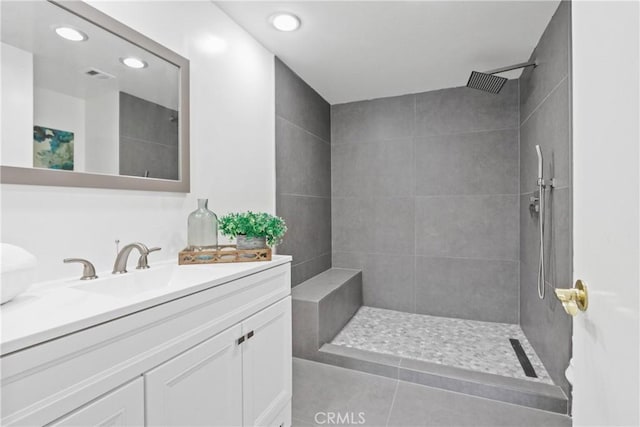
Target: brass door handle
x=574, y=299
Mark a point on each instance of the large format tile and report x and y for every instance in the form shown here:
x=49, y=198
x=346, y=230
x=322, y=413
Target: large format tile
x=307, y=269
x=300, y=104
x=305, y=328
x=468, y=226
x=144, y=120
x=385, y=224
x=416, y=405
x=319, y=388
x=138, y=157
x=370, y=362
x=549, y=127
x=468, y=288
x=339, y=306
x=303, y=161
x=309, y=226
x=552, y=56
x=376, y=168
x=546, y=325
x=378, y=119
x=462, y=109
x=469, y=163
x=388, y=279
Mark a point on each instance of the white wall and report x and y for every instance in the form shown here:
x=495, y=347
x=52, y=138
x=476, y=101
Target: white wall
x=17, y=106
x=232, y=149
x=605, y=369
x=102, y=117
x=56, y=110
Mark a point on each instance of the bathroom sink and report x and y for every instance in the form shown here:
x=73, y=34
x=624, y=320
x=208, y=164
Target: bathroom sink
x=155, y=279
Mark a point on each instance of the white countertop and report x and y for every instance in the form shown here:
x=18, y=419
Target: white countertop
x=51, y=309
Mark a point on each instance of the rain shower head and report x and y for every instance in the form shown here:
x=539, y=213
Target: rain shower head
x=488, y=82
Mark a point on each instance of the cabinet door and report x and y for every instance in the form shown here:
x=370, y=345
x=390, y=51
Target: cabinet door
x=266, y=364
x=200, y=387
x=121, y=407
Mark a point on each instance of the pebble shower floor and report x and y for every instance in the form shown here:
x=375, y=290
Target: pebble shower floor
x=469, y=344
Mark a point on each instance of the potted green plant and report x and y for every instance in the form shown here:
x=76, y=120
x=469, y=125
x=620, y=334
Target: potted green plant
x=253, y=230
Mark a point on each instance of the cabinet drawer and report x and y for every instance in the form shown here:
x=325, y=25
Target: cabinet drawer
x=121, y=407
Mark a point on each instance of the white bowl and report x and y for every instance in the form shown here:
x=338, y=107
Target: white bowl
x=18, y=271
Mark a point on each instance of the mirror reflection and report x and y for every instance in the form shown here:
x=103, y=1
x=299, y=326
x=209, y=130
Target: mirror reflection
x=76, y=97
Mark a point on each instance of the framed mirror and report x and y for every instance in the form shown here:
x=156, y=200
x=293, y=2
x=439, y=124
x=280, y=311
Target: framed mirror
x=89, y=102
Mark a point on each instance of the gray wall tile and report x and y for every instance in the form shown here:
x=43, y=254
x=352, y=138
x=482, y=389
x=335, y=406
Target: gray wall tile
x=468, y=226
x=468, y=288
x=388, y=279
x=309, y=222
x=545, y=323
x=303, y=173
x=463, y=109
x=300, y=104
x=363, y=223
x=148, y=139
x=338, y=307
x=376, y=168
x=552, y=55
x=545, y=111
x=468, y=163
x=468, y=146
x=378, y=119
x=305, y=330
x=137, y=156
x=147, y=121
x=303, y=161
x=549, y=127
x=301, y=271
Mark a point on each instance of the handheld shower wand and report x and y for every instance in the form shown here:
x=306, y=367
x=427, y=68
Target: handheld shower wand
x=541, y=204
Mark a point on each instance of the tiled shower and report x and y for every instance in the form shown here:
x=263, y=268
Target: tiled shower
x=429, y=197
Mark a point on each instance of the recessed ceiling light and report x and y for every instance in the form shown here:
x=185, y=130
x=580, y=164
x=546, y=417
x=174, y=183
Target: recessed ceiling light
x=71, y=34
x=133, y=62
x=285, y=21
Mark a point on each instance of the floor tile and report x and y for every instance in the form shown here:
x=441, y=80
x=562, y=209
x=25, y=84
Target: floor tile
x=417, y=405
x=468, y=344
x=320, y=390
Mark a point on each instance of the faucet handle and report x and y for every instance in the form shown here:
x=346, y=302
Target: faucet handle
x=143, y=261
x=88, y=272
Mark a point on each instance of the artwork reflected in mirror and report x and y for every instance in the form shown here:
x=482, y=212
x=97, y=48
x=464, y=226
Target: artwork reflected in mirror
x=52, y=148
x=77, y=97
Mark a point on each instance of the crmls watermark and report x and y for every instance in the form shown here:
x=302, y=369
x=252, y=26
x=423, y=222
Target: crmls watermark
x=342, y=418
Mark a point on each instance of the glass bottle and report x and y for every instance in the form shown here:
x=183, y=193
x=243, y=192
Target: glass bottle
x=202, y=228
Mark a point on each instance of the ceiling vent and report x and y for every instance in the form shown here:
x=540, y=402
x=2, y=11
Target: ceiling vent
x=98, y=74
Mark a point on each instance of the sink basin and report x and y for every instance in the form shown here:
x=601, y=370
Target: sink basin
x=155, y=279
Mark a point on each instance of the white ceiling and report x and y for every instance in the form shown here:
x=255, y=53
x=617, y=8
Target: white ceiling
x=349, y=51
x=59, y=64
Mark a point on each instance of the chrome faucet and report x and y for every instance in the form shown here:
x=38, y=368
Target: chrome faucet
x=120, y=266
x=143, y=262
x=88, y=272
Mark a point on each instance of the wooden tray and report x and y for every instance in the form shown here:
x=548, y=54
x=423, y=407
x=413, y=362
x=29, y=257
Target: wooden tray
x=223, y=254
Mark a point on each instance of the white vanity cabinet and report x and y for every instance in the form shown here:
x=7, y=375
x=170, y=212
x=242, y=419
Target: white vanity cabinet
x=218, y=357
x=241, y=376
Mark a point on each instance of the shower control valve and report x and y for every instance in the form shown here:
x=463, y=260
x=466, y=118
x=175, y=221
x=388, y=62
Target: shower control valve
x=534, y=203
